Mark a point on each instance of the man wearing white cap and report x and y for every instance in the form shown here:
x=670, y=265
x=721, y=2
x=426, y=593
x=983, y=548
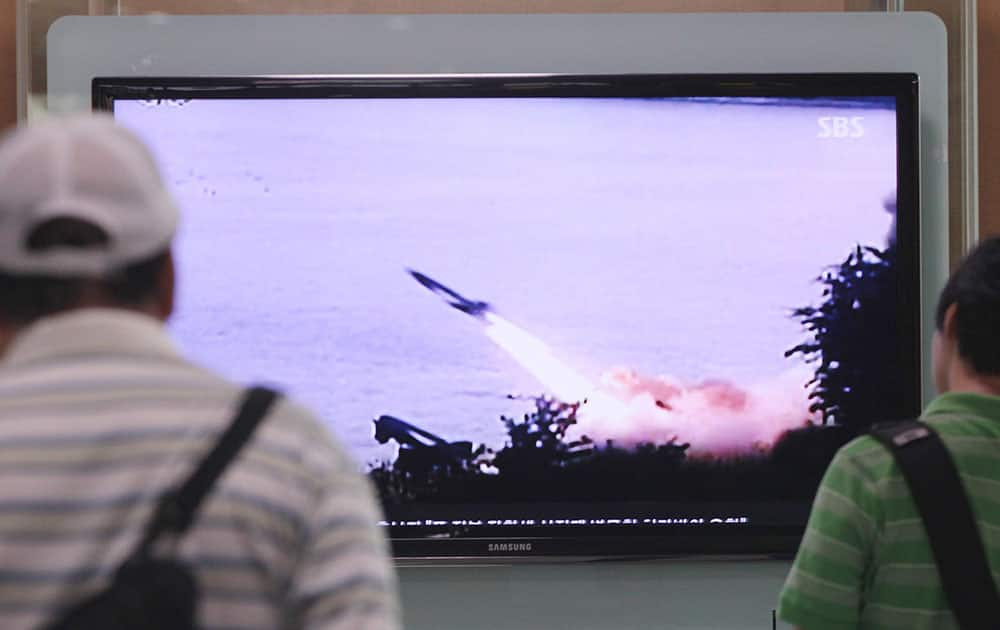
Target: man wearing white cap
x=100, y=416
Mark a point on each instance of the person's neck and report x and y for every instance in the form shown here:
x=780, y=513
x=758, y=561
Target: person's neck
x=965, y=380
x=9, y=331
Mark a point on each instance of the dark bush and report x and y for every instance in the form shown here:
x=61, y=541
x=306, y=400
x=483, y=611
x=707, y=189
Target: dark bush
x=854, y=341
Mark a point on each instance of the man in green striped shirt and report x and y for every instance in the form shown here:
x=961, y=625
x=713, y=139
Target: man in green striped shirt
x=865, y=560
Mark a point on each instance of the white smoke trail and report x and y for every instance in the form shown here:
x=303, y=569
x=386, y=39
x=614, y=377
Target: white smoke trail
x=537, y=358
x=715, y=418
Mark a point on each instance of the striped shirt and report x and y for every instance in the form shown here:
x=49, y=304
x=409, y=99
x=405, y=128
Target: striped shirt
x=99, y=415
x=865, y=561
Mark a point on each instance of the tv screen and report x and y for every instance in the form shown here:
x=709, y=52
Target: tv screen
x=556, y=315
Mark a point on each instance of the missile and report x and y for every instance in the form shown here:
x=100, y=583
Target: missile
x=453, y=299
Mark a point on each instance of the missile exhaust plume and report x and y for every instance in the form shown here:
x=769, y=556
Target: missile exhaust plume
x=537, y=358
x=716, y=418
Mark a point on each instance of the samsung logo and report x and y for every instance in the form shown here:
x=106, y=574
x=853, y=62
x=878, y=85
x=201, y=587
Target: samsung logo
x=509, y=547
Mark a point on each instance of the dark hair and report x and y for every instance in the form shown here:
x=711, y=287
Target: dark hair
x=26, y=298
x=974, y=288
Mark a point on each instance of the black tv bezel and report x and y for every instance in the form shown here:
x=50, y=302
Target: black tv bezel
x=526, y=544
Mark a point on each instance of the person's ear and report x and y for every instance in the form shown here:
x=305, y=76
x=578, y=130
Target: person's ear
x=949, y=328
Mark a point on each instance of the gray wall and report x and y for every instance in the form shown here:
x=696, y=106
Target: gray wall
x=683, y=594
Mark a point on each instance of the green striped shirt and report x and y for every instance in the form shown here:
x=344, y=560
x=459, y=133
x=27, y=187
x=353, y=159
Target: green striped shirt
x=865, y=561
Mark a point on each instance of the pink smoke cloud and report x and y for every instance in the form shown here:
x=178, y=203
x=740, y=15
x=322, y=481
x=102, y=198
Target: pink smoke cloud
x=716, y=418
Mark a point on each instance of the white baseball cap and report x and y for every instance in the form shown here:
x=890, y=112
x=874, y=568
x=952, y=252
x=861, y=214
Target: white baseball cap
x=89, y=168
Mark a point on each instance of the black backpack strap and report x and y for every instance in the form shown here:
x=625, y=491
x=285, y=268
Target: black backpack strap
x=951, y=526
x=177, y=507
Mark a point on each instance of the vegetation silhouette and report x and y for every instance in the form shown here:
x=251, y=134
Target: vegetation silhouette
x=539, y=464
x=854, y=343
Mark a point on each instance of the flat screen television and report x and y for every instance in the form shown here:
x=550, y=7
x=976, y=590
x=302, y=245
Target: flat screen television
x=579, y=316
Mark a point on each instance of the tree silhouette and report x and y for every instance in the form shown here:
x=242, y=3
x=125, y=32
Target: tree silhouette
x=854, y=343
